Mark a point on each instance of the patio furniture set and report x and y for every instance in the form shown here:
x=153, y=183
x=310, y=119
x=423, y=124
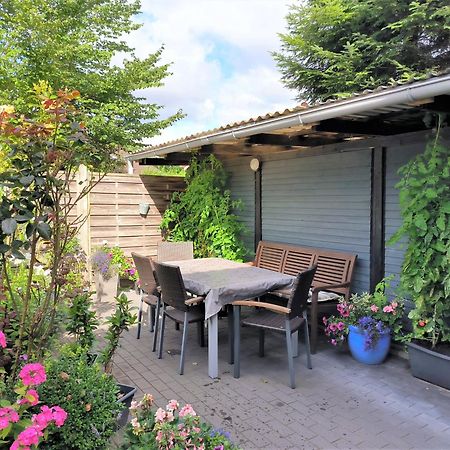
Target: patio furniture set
x=280, y=286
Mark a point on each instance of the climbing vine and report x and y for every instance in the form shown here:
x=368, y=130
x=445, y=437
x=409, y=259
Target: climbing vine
x=425, y=208
x=204, y=213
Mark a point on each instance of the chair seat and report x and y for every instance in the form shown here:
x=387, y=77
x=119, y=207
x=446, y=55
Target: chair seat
x=150, y=300
x=272, y=321
x=195, y=314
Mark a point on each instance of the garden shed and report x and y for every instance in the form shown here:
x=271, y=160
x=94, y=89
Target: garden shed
x=324, y=175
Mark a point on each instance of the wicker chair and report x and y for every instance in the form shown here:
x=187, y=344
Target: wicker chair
x=177, y=306
x=149, y=294
x=175, y=251
x=277, y=318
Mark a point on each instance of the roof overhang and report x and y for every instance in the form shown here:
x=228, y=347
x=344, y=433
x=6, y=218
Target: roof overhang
x=388, y=110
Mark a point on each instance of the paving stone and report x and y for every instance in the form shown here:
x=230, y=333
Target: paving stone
x=338, y=404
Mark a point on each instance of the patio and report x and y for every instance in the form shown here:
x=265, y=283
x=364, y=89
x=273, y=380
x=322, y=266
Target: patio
x=338, y=404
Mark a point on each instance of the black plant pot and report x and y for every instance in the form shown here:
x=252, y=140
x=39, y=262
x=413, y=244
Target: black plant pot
x=429, y=365
x=126, y=395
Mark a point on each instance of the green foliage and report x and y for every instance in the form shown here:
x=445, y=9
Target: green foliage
x=164, y=171
x=72, y=44
x=37, y=216
x=203, y=213
x=82, y=320
x=119, y=322
x=89, y=397
x=425, y=208
x=334, y=48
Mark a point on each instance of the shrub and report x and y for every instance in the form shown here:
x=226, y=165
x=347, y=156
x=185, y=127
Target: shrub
x=88, y=395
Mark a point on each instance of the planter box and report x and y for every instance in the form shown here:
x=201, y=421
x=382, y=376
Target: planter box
x=106, y=289
x=429, y=365
x=126, y=283
x=126, y=396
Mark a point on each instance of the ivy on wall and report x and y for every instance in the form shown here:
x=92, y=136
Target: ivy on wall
x=203, y=213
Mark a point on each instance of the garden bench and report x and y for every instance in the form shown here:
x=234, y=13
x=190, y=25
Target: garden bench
x=332, y=279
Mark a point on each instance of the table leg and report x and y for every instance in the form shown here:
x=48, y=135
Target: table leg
x=213, y=343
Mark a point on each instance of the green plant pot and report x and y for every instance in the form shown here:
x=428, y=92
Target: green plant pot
x=429, y=365
x=126, y=395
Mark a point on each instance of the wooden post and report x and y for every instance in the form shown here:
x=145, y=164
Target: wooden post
x=377, y=211
x=258, y=206
x=83, y=212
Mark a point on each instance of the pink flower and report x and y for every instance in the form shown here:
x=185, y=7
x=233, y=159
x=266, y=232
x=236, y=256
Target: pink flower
x=8, y=415
x=59, y=416
x=2, y=339
x=29, y=436
x=31, y=397
x=169, y=416
x=172, y=405
x=33, y=374
x=324, y=320
x=394, y=304
x=159, y=436
x=333, y=327
x=341, y=326
x=333, y=341
x=160, y=415
x=388, y=309
x=374, y=308
x=42, y=419
x=187, y=410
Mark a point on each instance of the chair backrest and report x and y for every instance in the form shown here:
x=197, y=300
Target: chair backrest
x=145, y=271
x=269, y=257
x=175, y=251
x=298, y=299
x=173, y=292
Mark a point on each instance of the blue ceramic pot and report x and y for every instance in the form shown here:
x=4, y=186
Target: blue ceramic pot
x=374, y=355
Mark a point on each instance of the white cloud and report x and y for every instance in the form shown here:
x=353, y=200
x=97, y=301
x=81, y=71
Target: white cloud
x=221, y=63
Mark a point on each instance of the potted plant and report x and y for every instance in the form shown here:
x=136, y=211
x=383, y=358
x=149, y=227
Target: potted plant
x=106, y=273
x=173, y=427
x=367, y=321
x=119, y=322
x=425, y=277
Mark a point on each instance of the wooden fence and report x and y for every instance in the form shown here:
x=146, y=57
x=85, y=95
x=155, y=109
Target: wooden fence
x=113, y=211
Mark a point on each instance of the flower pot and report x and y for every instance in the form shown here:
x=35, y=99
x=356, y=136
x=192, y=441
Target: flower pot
x=357, y=345
x=126, y=395
x=106, y=289
x=126, y=283
x=429, y=365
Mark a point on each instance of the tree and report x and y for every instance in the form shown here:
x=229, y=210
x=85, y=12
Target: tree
x=334, y=48
x=70, y=44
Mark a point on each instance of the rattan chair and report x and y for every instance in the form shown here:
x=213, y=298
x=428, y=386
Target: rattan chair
x=175, y=251
x=177, y=306
x=149, y=294
x=271, y=317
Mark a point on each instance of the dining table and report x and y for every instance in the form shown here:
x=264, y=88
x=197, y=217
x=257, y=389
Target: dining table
x=221, y=282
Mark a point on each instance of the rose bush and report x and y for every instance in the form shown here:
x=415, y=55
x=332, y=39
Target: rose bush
x=174, y=427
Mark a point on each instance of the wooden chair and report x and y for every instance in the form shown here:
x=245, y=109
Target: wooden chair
x=175, y=251
x=182, y=309
x=271, y=317
x=149, y=295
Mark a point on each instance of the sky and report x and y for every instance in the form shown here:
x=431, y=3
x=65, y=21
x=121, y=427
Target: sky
x=219, y=50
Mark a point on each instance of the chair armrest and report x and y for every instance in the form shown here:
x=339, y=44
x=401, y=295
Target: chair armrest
x=271, y=307
x=326, y=287
x=194, y=301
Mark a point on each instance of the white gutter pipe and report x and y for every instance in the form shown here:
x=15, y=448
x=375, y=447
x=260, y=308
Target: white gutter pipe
x=389, y=97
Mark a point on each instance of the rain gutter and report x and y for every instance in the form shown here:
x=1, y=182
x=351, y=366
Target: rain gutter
x=392, y=96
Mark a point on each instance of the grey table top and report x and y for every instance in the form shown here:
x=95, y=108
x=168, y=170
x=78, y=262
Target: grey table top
x=223, y=281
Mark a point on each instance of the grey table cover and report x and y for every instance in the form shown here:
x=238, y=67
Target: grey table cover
x=223, y=281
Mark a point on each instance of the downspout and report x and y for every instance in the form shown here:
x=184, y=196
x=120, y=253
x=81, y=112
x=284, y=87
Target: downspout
x=399, y=95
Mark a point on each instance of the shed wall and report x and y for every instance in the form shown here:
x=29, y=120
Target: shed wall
x=242, y=186
x=323, y=202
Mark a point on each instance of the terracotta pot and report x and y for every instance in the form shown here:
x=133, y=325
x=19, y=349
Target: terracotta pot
x=106, y=289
